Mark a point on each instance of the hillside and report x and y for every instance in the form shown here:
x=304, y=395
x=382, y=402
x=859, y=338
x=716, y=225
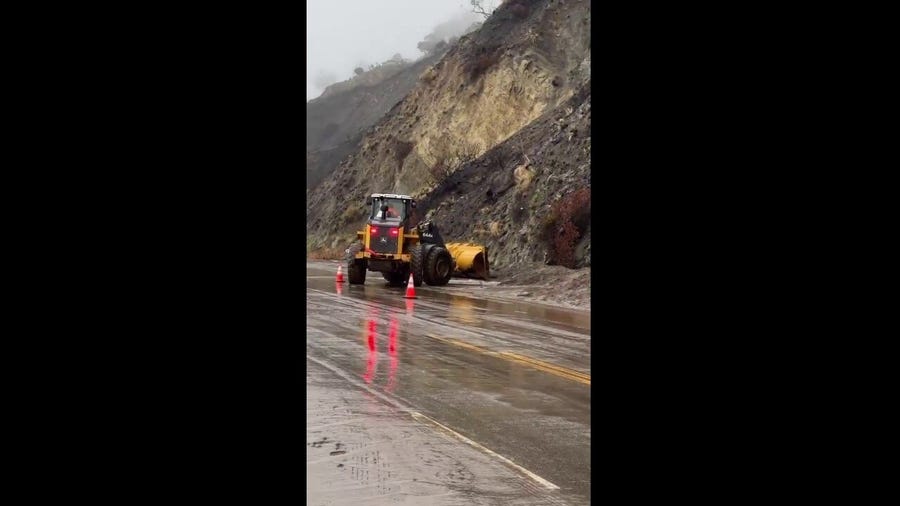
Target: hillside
x=493, y=139
x=336, y=120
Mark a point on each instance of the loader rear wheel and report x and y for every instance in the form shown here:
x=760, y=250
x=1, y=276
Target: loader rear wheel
x=356, y=268
x=417, y=264
x=438, y=267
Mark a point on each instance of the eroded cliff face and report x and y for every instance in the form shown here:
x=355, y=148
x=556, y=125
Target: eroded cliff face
x=507, y=104
x=505, y=199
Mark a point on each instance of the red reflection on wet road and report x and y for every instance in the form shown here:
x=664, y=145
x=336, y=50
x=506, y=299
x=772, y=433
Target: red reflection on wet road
x=372, y=345
x=392, y=352
x=372, y=358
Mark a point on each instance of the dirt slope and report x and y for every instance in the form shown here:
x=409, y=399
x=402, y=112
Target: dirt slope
x=489, y=138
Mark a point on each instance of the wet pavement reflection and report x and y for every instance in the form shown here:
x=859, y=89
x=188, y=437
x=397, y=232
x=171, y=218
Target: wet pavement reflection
x=462, y=310
x=513, y=377
x=372, y=346
x=394, y=356
x=372, y=356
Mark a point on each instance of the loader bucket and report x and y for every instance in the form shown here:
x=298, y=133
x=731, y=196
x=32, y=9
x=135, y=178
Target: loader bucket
x=471, y=260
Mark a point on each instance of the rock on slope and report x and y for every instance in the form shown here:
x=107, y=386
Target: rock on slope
x=490, y=136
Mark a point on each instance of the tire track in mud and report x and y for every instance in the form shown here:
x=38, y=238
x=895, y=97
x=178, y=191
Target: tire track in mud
x=345, y=448
x=396, y=404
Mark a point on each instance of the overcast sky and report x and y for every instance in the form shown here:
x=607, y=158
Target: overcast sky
x=344, y=34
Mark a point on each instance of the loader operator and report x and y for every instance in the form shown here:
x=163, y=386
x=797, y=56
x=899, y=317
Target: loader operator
x=388, y=211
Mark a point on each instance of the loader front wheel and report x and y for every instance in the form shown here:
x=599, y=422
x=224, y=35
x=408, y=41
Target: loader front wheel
x=356, y=268
x=438, y=267
x=417, y=264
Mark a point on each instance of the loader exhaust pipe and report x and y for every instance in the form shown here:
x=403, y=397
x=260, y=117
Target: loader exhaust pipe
x=471, y=260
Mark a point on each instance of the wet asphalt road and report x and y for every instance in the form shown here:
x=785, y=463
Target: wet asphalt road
x=445, y=399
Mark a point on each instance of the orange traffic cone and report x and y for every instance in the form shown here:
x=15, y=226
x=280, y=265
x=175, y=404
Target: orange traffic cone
x=410, y=288
x=340, y=275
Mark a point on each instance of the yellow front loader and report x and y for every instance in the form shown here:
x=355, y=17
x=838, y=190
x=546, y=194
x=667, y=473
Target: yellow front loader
x=391, y=245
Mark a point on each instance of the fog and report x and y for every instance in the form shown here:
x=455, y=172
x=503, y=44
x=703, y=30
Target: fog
x=344, y=34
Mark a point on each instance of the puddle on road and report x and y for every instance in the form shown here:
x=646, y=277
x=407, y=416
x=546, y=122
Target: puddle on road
x=463, y=309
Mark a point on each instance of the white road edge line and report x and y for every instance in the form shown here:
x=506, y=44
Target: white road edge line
x=545, y=483
x=354, y=381
x=419, y=417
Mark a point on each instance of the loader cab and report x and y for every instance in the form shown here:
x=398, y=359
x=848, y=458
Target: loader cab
x=388, y=221
x=390, y=209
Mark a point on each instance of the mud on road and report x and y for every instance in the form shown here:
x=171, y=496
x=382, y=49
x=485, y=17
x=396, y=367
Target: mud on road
x=536, y=283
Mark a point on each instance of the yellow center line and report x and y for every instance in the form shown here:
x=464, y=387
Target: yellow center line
x=563, y=372
x=552, y=369
x=547, y=365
